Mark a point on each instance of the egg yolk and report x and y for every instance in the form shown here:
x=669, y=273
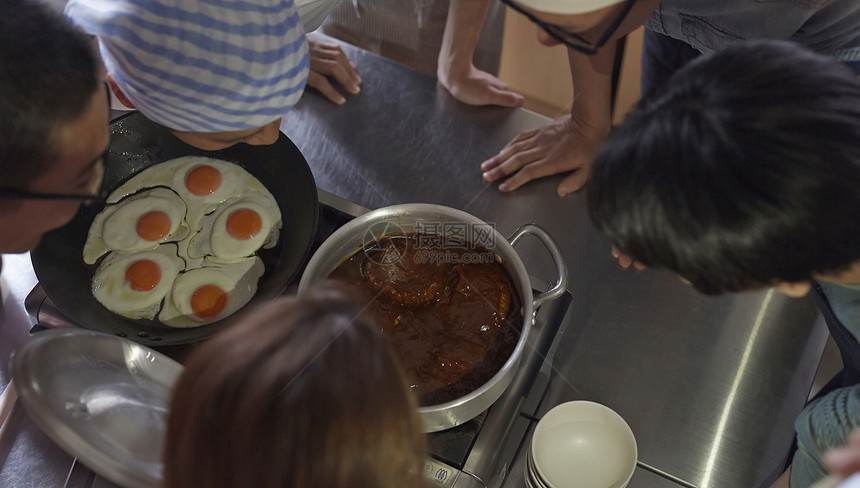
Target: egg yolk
x=143, y=275
x=244, y=224
x=153, y=226
x=208, y=301
x=203, y=180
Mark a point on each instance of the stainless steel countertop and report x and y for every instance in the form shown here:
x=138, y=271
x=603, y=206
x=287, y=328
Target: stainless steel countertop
x=710, y=386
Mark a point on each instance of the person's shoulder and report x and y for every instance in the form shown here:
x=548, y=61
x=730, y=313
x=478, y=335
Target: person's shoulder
x=831, y=289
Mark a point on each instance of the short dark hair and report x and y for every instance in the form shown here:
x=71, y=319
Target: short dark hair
x=302, y=392
x=48, y=77
x=743, y=170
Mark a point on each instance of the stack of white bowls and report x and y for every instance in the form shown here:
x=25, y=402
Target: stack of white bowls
x=581, y=445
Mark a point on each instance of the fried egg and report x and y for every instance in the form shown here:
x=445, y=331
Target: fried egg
x=238, y=228
x=225, y=215
x=202, y=182
x=211, y=293
x=133, y=284
x=137, y=223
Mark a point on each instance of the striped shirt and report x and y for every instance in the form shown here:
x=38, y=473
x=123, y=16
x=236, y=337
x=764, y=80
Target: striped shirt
x=201, y=65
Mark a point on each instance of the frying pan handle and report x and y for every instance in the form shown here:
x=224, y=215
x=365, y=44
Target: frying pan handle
x=559, y=286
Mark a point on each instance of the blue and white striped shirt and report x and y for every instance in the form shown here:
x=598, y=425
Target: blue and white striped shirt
x=201, y=65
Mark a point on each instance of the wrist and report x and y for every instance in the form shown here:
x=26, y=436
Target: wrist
x=451, y=65
x=595, y=128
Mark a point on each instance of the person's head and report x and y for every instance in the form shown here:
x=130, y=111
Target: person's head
x=301, y=392
x=215, y=73
x=743, y=171
x=584, y=25
x=53, y=121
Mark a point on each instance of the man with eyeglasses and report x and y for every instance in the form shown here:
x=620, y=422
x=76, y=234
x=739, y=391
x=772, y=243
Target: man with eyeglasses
x=53, y=123
x=676, y=31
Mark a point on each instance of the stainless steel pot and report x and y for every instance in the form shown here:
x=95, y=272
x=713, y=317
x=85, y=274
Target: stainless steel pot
x=414, y=217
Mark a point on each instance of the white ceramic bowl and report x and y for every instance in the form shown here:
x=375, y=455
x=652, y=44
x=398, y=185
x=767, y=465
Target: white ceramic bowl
x=583, y=444
x=531, y=476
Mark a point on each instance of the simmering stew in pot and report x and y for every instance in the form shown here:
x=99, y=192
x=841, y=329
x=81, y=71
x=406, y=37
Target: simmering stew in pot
x=449, y=309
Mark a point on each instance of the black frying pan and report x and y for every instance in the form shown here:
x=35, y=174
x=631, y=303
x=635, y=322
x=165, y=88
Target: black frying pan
x=137, y=143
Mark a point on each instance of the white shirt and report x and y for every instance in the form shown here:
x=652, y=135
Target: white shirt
x=314, y=12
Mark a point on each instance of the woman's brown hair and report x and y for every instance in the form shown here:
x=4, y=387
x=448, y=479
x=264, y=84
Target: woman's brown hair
x=300, y=393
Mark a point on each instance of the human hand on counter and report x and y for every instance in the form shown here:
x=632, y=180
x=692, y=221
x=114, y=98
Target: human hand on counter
x=455, y=69
x=564, y=145
x=475, y=87
x=625, y=261
x=329, y=61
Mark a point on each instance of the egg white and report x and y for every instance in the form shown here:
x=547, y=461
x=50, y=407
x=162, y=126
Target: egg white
x=206, y=255
x=234, y=181
x=113, y=292
x=238, y=279
x=214, y=240
x=114, y=228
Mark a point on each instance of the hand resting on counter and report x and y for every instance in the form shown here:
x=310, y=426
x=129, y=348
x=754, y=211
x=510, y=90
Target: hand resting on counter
x=563, y=145
x=328, y=61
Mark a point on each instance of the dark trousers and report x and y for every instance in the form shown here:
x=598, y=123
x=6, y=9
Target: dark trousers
x=662, y=56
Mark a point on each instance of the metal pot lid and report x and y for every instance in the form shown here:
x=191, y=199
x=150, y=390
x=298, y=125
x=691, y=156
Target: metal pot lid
x=101, y=398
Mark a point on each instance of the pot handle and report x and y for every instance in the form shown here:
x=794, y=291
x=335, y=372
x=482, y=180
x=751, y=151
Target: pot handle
x=559, y=286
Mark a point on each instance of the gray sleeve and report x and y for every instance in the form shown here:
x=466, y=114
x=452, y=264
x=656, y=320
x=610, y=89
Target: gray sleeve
x=824, y=424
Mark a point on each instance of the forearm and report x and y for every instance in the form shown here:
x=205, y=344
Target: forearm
x=462, y=30
x=782, y=481
x=592, y=88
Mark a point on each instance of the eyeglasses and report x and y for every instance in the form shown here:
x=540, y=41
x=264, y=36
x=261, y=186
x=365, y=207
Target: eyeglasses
x=572, y=39
x=9, y=193
x=86, y=198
